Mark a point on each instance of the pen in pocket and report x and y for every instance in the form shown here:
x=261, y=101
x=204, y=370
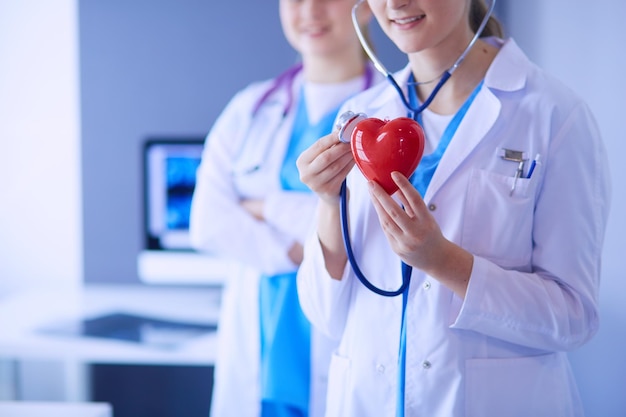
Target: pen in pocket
x=518, y=174
x=533, y=164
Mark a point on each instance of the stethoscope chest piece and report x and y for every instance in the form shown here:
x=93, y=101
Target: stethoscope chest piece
x=346, y=124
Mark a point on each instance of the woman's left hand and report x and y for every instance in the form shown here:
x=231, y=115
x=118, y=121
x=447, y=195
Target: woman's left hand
x=254, y=207
x=416, y=237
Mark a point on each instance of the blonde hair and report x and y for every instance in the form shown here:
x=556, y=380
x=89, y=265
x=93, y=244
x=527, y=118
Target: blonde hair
x=478, y=10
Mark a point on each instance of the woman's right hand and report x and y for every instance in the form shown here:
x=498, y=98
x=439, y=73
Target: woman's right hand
x=325, y=165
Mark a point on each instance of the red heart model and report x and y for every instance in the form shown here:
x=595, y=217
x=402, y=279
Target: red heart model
x=380, y=147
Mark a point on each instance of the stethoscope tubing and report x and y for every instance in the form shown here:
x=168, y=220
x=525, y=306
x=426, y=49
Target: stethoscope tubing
x=355, y=267
x=379, y=65
x=414, y=113
x=406, y=269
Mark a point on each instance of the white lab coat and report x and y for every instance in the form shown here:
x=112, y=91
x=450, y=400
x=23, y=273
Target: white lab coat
x=533, y=290
x=242, y=159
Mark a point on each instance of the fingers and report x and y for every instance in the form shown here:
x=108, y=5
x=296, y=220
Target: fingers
x=333, y=162
x=318, y=147
x=389, y=212
x=254, y=207
x=325, y=164
x=409, y=196
x=395, y=217
x=410, y=228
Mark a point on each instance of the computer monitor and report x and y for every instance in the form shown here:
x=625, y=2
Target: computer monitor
x=170, y=167
x=169, y=180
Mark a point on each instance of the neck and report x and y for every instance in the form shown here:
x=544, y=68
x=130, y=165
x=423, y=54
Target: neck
x=430, y=63
x=327, y=70
x=462, y=82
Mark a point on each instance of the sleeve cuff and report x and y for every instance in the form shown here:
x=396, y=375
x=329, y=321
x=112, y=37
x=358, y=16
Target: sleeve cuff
x=473, y=295
x=290, y=212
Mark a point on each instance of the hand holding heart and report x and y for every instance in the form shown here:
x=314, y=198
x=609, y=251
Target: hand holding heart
x=380, y=147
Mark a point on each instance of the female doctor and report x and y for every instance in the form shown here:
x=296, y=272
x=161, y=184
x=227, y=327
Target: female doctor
x=505, y=257
x=250, y=206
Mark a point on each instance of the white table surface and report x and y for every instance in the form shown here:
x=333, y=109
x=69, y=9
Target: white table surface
x=22, y=314
x=54, y=409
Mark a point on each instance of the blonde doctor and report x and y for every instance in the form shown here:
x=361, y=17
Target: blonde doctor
x=505, y=252
x=250, y=206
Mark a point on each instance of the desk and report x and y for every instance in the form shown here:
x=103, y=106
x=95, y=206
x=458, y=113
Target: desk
x=54, y=409
x=22, y=314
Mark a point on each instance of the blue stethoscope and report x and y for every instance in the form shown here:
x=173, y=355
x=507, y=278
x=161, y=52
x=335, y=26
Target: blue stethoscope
x=348, y=120
x=346, y=123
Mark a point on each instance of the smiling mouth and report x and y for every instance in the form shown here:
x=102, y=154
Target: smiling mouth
x=315, y=31
x=408, y=20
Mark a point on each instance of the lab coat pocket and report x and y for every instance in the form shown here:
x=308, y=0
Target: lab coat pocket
x=537, y=386
x=498, y=225
x=338, y=386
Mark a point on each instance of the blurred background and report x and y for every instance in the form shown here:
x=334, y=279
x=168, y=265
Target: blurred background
x=85, y=83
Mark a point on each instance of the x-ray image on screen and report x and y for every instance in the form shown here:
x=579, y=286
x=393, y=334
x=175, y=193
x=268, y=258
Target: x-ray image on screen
x=181, y=180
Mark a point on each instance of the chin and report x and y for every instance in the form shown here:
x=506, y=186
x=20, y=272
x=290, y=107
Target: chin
x=408, y=46
x=408, y=49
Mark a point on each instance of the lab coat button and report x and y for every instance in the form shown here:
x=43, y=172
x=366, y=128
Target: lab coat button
x=426, y=365
x=380, y=369
x=432, y=207
x=426, y=285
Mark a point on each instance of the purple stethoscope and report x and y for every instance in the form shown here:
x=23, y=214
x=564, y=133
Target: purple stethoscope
x=286, y=80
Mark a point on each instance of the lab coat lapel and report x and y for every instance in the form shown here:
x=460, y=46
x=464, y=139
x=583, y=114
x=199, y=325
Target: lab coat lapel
x=478, y=120
x=268, y=125
x=506, y=74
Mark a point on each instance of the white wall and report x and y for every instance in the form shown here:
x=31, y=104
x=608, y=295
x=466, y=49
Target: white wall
x=40, y=207
x=582, y=43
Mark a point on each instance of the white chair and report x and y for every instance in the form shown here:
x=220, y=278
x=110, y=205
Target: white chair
x=54, y=409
